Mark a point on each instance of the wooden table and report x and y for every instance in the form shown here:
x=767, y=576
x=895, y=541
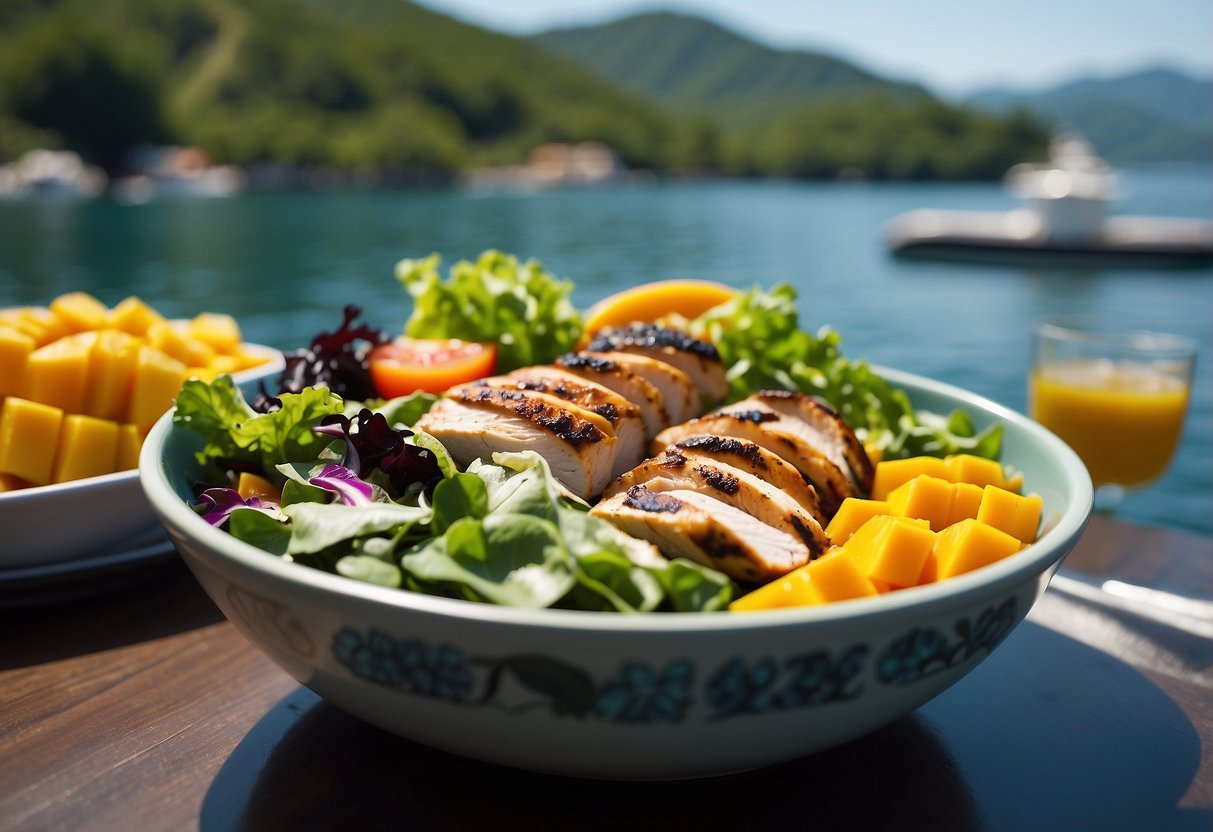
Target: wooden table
x=141, y=708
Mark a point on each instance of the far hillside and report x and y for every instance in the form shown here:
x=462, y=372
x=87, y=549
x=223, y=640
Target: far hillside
x=1157, y=115
x=794, y=112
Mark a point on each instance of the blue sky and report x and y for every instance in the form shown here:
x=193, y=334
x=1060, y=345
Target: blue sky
x=952, y=46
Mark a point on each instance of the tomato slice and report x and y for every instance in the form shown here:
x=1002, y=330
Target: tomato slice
x=408, y=365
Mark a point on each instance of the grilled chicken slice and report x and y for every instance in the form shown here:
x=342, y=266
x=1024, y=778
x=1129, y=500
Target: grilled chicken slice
x=673, y=470
x=753, y=459
x=828, y=432
x=684, y=523
x=698, y=359
x=783, y=436
x=635, y=388
x=623, y=417
x=678, y=393
x=472, y=422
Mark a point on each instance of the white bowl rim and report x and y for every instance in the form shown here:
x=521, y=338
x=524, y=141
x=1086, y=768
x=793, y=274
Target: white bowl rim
x=1008, y=573
x=82, y=487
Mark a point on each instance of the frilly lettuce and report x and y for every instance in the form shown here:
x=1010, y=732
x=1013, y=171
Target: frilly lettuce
x=760, y=340
x=521, y=307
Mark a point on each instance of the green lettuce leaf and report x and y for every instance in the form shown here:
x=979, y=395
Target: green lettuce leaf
x=235, y=433
x=759, y=338
x=519, y=306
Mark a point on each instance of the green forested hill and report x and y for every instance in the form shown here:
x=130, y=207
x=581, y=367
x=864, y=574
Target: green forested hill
x=755, y=109
x=371, y=83
x=402, y=93
x=689, y=64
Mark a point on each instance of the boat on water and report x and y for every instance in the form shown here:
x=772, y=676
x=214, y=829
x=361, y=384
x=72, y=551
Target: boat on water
x=160, y=172
x=1064, y=220
x=51, y=174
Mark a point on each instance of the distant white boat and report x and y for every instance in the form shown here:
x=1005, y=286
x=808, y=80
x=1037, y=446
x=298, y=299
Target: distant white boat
x=59, y=174
x=176, y=172
x=1064, y=220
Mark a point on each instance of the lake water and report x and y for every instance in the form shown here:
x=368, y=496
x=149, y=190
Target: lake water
x=285, y=263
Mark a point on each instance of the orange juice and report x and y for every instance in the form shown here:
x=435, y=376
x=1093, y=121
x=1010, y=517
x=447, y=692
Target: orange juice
x=1123, y=418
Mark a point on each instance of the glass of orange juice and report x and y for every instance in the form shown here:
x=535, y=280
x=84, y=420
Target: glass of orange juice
x=1117, y=397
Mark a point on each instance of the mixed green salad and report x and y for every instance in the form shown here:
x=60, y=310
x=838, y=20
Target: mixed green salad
x=356, y=489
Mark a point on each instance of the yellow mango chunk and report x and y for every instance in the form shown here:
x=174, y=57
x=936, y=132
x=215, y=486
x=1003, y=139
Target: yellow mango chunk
x=29, y=436
x=976, y=470
x=789, y=591
x=57, y=373
x=158, y=379
x=167, y=338
x=79, y=312
x=969, y=545
x=220, y=331
x=111, y=369
x=15, y=349
x=35, y=321
x=133, y=316
x=11, y=482
x=252, y=485
x=892, y=550
x=966, y=499
x=836, y=577
x=892, y=473
x=130, y=441
x=925, y=497
x=87, y=448
x=852, y=514
x=1016, y=515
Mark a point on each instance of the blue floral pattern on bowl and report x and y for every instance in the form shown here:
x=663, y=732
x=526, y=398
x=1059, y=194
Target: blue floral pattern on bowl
x=641, y=693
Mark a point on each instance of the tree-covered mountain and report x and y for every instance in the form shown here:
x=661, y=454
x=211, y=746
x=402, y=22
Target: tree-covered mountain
x=373, y=84
x=793, y=112
x=688, y=64
x=1149, y=116
x=386, y=90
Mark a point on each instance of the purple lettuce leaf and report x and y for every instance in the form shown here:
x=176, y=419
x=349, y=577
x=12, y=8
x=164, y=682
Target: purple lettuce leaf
x=349, y=488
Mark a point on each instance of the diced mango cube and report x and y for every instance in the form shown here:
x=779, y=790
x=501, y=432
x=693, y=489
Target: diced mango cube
x=836, y=577
x=244, y=360
x=79, y=312
x=87, y=448
x=1018, y=516
x=969, y=545
x=130, y=441
x=170, y=340
x=44, y=325
x=253, y=485
x=11, y=482
x=892, y=473
x=134, y=316
x=976, y=470
x=220, y=331
x=966, y=498
x=57, y=373
x=789, y=591
x=158, y=379
x=111, y=364
x=15, y=349
x=891, y=549
x=852, y=514
x=29, y=436
x=925, y=497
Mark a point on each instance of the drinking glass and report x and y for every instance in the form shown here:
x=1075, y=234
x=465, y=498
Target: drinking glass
x=1117, y=397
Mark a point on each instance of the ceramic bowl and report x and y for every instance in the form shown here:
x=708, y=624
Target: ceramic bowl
x=51, y=525
x=659, y=696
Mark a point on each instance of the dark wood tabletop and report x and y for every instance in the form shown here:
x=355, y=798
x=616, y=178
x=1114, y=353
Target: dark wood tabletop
x=136, y=706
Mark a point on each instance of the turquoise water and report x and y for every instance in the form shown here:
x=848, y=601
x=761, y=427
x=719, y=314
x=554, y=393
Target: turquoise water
x=284, y=264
